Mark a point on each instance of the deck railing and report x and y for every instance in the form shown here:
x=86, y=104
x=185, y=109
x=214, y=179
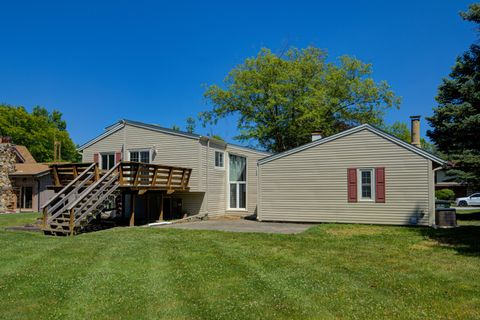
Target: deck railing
x=131, y=174
x=146, y=175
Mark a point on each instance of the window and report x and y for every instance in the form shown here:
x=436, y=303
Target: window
x=108, y=160
x=366, y=184
x=238, y=182
x=219, y=159
x=140, y=156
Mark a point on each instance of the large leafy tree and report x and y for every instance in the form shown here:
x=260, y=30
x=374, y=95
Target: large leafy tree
x=280, y=100
x=456, y=119
x=401, y=131
x=37, y=131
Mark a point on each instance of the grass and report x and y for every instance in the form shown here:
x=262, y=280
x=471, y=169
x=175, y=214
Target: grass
x=18, y=219
x=329, y=271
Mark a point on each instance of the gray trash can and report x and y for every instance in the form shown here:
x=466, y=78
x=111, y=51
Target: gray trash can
x=445, y=217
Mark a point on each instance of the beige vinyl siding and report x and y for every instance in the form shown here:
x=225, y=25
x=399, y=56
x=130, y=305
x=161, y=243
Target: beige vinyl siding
x=208, y=185
x=311, y=185
x=215, y=179
x=44, y=193
x=191, y=201
x=111, y=143
x=252, y=179
x=172, y=150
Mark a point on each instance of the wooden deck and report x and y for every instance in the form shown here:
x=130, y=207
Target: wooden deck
x=132, y=175
x=83, y=191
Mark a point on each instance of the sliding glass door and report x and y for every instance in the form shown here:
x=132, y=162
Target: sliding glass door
x=237, y=182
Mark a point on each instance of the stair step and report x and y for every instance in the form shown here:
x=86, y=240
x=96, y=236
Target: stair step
x=55, y=231
x=60, y=224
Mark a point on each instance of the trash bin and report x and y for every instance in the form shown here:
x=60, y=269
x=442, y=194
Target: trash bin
x=445, y=217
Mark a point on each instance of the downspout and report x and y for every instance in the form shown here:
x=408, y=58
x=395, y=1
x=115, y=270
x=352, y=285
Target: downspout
x=124, y=146
x=207, y=168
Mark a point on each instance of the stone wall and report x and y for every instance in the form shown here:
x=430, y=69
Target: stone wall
x=7, y=165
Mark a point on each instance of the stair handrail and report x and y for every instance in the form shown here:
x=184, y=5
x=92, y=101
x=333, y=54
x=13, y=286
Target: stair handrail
x=61, y=192
x=82, y=195
x=52, y=209
x=101, y=189
x=99, y=200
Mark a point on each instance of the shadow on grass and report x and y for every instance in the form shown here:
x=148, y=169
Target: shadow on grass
x=465, y=239
x=469, y=216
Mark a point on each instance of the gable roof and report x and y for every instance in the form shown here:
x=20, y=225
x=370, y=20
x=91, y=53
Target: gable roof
x=24, y=155
x=368, y=127
x=120, y=124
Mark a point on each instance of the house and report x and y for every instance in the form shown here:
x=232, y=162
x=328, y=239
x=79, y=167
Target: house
x=361, y=175
x=223, y=175
x=28, y=180
x=445, y=181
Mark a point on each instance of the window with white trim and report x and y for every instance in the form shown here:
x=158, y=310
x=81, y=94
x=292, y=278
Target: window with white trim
x=366, y=184
x=237, y=167
x=140, y=156
x=219, y=163
x=107, y=160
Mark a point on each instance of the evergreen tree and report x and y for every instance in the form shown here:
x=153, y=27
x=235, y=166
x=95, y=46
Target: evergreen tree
x=456, y=119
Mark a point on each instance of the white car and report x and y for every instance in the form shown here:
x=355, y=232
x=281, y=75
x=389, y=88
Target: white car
x=473, y=200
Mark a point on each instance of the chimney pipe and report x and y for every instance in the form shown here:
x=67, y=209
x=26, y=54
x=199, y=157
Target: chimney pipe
x=316, y=135
x=415, y=131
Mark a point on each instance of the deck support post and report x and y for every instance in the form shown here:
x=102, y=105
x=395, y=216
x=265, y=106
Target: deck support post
x=72, y=221
x=120, y=174
x=45, y=217
x=132, y=207
x=97, y=173
x=161, y=207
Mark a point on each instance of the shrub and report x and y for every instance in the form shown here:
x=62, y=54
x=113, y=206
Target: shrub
x=445, y=194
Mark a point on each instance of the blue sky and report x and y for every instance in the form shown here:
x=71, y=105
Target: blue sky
x=101, y=61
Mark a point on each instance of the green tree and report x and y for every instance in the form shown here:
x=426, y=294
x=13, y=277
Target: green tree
x=190, y=125
x=175, y=127
x=400, y=130
x=217, y=137
x=280, y=100
x=37, y=131
x=456, y=119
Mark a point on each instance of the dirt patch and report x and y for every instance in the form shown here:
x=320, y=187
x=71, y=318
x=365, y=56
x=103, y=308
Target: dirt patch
x=425, y=245
x=353, y=231
x=430, y=244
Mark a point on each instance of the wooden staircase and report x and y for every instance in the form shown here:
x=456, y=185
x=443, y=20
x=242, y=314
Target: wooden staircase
x=88, y=191
x=83, y=199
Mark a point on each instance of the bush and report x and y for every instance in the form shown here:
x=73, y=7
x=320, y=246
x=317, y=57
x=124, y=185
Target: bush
x=445, y=194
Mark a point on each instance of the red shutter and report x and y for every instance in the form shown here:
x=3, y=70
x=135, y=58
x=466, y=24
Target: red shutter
x=118, y=157
x=352, y=184
x=380, y=185
x=95, y=158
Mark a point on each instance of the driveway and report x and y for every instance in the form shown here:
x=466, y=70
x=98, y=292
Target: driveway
x=240, y=225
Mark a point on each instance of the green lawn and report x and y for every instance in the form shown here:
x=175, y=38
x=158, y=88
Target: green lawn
x=330, y=271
